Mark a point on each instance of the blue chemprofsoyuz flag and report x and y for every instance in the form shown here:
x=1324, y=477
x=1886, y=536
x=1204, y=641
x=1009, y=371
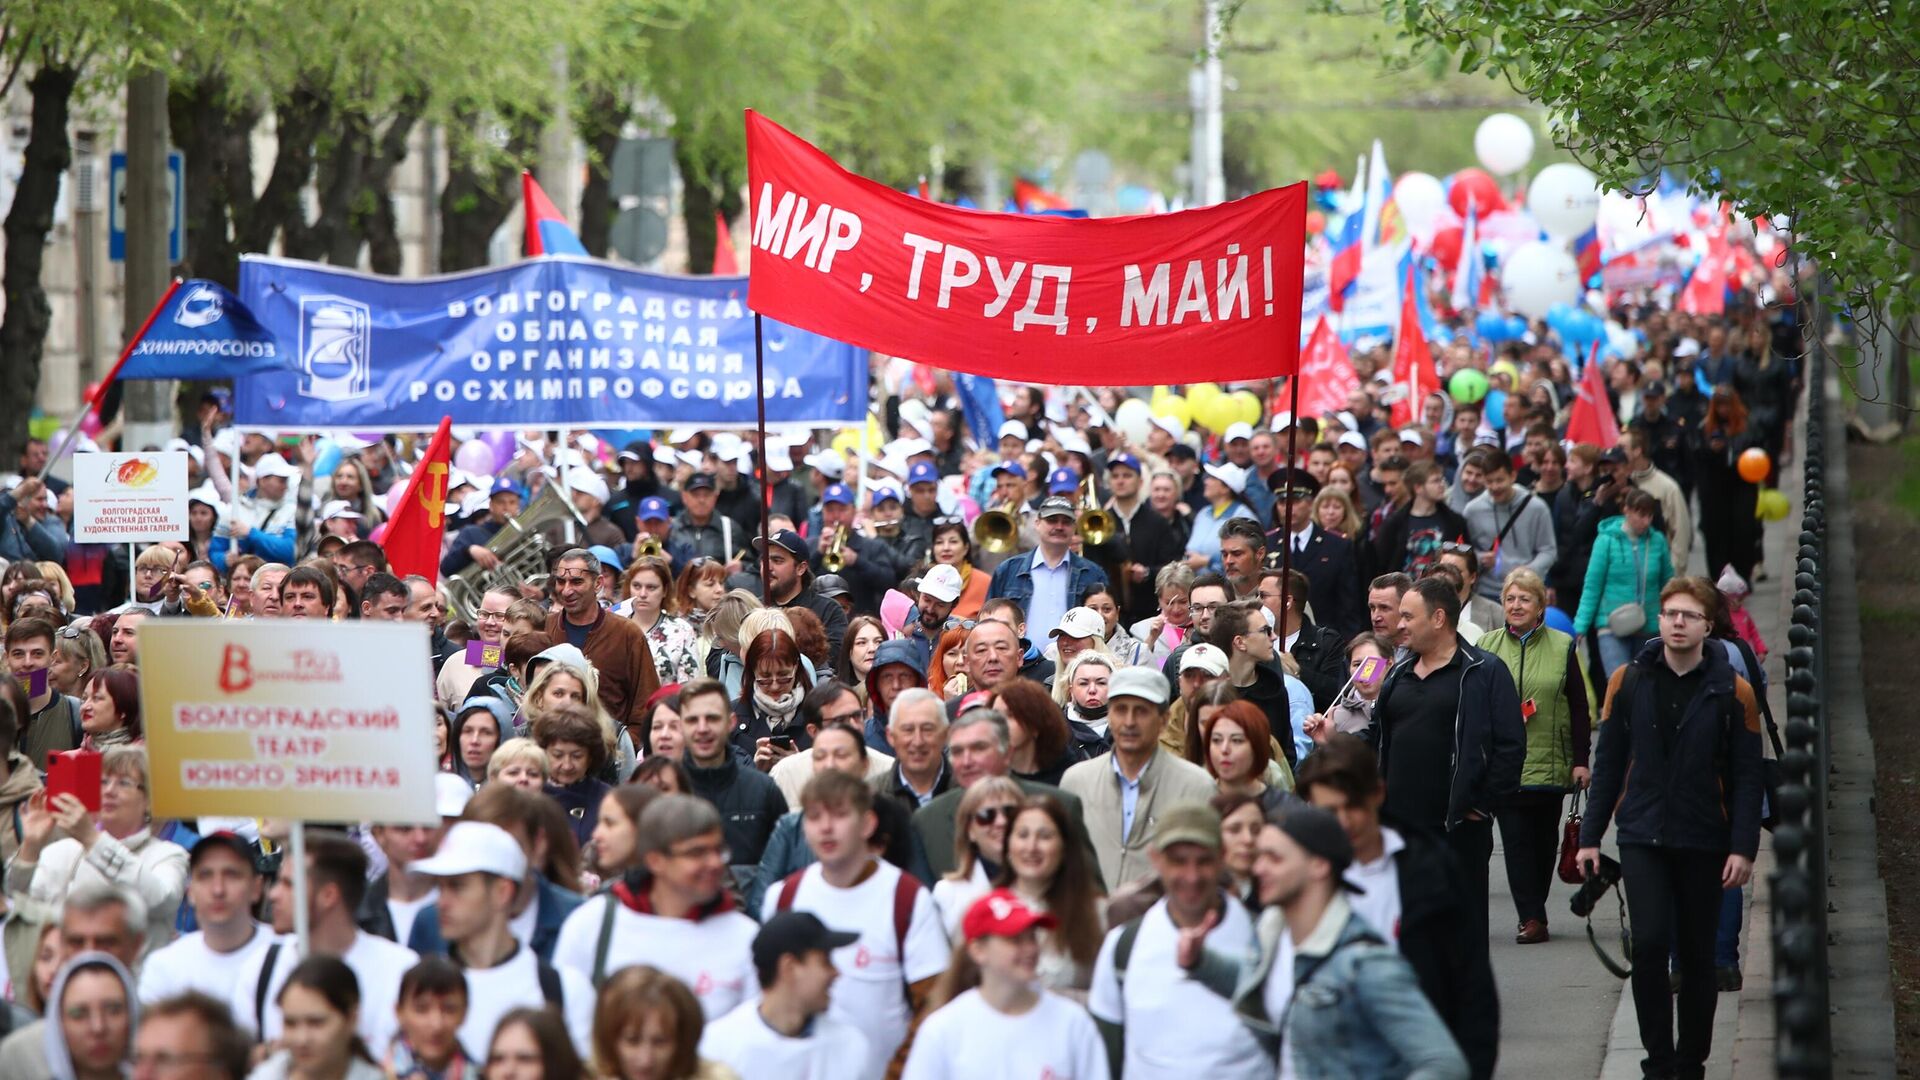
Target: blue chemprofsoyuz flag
x=204, y=332
x=547, y=343
x=980, y=400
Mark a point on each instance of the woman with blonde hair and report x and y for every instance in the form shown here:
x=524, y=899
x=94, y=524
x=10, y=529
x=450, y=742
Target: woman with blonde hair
x=1334, y=512
x=1163, y=633
x=985, y=814
x=1081, y=692
x=647, y=1026
x=55, y=573
x=724, y=636
x=351, y=484
x=564, y=678
x=519, y=761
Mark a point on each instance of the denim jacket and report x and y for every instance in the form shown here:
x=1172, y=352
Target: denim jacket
x=1013, y=580
x=1357, y=1009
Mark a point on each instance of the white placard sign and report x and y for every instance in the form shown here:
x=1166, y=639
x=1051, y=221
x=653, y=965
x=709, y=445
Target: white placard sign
x=130, y=498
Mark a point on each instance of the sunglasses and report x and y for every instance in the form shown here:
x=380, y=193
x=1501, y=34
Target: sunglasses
x=987, y=815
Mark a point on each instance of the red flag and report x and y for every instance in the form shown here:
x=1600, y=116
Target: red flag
x=1412, y=360
x=1706, y=291
x=415, y=528
x=547, y=230
x=1029, y=196
x=725, y=263
x=1592, y=419
x=1326, y=373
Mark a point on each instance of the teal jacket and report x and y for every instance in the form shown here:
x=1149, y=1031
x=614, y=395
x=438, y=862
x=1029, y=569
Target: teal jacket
x=1614, y=568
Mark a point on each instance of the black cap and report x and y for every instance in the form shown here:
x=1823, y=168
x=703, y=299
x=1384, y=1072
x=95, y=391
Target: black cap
x=1181, y=451
x=831, y=585
x=701, y=480
x=1293, y=483
x=1056, y=507
x=1320, y=834
x=1613, y=455
x=786, y=539
x=225, y=841
x=795, y=933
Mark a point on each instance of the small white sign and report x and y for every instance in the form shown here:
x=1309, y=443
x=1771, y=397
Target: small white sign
x=130, y=498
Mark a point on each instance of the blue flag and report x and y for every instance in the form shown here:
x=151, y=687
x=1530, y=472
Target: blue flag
x=980, y=400
x=204, y=332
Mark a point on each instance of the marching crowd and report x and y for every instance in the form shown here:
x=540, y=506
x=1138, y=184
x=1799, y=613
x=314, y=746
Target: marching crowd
x=1038, y=751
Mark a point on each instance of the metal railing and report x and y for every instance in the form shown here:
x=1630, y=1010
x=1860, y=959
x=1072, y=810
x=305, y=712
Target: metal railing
x=1802, y=1030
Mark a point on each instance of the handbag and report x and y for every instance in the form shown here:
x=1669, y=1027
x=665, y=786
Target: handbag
x=1570, y=844
x=1631, y=618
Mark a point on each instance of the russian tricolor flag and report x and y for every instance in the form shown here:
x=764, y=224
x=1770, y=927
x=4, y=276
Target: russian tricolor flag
x=1586, y=254
x=1344, y=269
x=547, y=230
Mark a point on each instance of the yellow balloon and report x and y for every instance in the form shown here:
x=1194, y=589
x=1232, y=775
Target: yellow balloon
x=1201, y=394
x=1219, y=413
x=1160, y=394
x=1249, y=403
x=846, y=441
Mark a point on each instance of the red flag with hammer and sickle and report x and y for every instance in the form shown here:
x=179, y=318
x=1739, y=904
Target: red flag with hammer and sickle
x=418, y=523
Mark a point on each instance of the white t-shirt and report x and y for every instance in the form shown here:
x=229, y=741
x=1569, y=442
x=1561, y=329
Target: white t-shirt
x=953, y=898
x=190, y=964
x=713, y=956
x=871, y=990
x=377, y=963
x=831, y=1050
x=1379, y=905
x=1277, y=995
x=1176, y=1028
x=1055, y=1039
x=404, y=911
x=493, y=992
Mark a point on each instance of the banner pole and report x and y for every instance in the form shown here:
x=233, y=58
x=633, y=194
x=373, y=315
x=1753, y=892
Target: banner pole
x=560, y=459
x=297, y=851
x=100, y=392
x=760, y=428
x=1286, y=543
x=133, y=580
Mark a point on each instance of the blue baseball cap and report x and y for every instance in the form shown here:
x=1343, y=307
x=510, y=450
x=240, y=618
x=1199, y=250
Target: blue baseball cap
x=1063, y=482
x=885, y=492
x=502, y=485
x=1011, y=468
x=922, y=472
x=654, y=508
x=1124, y=461
x=607, y=557
x=837, y=493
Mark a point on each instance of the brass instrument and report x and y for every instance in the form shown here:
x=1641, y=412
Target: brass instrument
x=523, y=544
x=649, y=547
x=995, y=531
x=832, y=556
x=1095, y=526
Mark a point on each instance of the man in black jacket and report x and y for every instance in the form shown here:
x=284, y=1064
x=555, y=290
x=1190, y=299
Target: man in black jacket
x=1328, y=560
x=1448, y=702
x=1319, y=650
x=1150, y=541
x=790, y=584
x=1415, y=896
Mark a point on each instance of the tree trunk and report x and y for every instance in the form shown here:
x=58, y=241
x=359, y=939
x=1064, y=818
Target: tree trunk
x=480, y=194
x=23, y=331
x=216, y=140
x=375, y=218
x=602, y=117
x=710, y=187
x=297, y=123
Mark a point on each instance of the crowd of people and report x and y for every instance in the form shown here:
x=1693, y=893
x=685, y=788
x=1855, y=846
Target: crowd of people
x=1042, y=750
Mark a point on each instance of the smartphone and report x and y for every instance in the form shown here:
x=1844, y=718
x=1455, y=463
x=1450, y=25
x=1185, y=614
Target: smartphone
x=76, y=773
x=784, y=742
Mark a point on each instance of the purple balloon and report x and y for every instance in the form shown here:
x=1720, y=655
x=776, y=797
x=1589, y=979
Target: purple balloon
x=502, y=445
x=474, y=457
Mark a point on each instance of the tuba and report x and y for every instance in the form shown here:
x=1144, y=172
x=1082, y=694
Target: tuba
x=1094, y=525
x=524, y=545
x=995, y=531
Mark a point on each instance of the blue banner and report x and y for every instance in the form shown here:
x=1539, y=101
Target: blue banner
x=550, y=342
x=204, y=332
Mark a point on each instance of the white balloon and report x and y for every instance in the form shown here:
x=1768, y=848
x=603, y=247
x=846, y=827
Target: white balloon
x=1565, y=199
x=1420, y=197
x=1134, y=418
x=1503, y=143
x=1537, y=276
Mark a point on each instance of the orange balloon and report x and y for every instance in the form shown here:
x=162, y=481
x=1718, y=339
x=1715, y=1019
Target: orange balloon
x=1755, y=465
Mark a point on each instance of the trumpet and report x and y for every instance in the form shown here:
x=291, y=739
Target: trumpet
x=1095, y=526
x=648, y=547
x=995, y=531
x=832, y=557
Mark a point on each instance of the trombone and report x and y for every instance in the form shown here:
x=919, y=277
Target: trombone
x=995, y=531
x=832, y=556
x=1095, y=526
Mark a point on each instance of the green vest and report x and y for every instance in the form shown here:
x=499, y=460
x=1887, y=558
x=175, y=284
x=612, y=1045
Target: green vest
x=1539, y=669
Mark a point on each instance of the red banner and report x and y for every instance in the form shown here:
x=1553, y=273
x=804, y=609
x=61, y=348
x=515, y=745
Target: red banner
x=414, y=529
x=1592, y=420
x=1412, y=359
x=1207, y=294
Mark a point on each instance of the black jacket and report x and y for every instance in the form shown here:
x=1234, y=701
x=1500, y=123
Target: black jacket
x=374, y=916
x=832, y=616
x=1321, y=654
x=1705, y=795
x=749, y=802
x=1489, y=737
x=1269, y=691
x=1669, y=442
x=1576, y=525
x=1153, y=542
x=1390, y=540
x=1442, y=942
x=872, y=573
x=1335, y=579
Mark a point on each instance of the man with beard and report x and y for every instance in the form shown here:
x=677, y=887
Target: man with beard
x=790, y=584
x=616, y=647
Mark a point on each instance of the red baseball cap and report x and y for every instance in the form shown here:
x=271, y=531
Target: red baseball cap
x=1002, y=914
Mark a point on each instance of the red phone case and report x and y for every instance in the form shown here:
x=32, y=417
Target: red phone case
x=76, y=773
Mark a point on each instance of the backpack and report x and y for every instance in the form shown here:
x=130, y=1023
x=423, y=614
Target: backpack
x=905, y=891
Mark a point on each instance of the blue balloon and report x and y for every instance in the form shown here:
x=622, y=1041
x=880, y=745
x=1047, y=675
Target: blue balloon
x=326, y=457
x=1517, y=327
x=1559, y=620
x=1493, y=327
x=1494, y=409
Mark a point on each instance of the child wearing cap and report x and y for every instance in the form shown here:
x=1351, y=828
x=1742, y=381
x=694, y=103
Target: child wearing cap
x=993, y=1018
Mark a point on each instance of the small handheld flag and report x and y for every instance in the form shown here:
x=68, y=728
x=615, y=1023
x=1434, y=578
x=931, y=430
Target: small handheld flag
x=547, y=230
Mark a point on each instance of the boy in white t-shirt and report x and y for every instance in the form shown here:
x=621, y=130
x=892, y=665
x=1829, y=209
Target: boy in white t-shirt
x=1007, y=1025
x=223, y=886
x=887, y=974
x=786, y=1034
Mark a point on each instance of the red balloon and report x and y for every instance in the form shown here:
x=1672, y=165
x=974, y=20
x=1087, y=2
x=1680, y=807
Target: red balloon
x=1477, y=185
x=1316, y=223
x=1446, y=245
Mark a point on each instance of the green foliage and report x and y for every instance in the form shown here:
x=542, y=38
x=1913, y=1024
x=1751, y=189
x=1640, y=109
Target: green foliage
x=1806, y=109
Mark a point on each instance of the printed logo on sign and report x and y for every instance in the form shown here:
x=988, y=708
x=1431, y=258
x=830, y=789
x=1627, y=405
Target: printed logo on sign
x=336, y=348
x=237, y=672
x=133, y=473
x=200, y=307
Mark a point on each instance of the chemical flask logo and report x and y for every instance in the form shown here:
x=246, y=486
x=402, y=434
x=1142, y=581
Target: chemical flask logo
x=336, y=348
x=199, y=307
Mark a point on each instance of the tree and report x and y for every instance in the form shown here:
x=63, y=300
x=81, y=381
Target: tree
x=1805, y=110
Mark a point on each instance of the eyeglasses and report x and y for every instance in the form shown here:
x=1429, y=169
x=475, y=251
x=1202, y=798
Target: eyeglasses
x=1452, y=548
x=1204, y=608
x=856, y=718
x=573, y=581
x=483, y=615
x=949, y=520
x=1681, y=615
x=121, y=783
x=775, y=678
x=987, y=815
x=704, y=852
x=72, y=632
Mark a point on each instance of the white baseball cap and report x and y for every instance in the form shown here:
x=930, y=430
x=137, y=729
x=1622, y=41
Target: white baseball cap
x=1238, y=431
x=942, y=582
x=275, y=465
x=827, y=463
x=1353, y=439
x=475, y=847
x=1170, y=425
x=1014, y=428
x=1229, y=474
x=450, y=795
x=779, y=456
x=1282, y=421
x=1412, y=437
x=1201, y=657
x=1080, y=622
x=588, y=481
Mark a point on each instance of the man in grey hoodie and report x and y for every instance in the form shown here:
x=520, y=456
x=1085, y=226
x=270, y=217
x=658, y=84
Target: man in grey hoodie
x=1509, y=527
